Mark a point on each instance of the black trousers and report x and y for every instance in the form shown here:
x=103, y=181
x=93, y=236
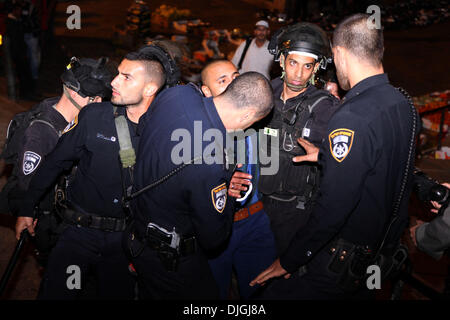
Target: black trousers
x=318, y=283
x=193, y=279
x=285, y=220
x=90, y=254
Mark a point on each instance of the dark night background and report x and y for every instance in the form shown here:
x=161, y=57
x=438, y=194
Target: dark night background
x=417, y=47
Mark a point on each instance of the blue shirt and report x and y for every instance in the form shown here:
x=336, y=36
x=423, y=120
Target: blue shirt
x=253, y=169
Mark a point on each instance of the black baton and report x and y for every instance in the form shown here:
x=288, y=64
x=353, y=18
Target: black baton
x=12, y=262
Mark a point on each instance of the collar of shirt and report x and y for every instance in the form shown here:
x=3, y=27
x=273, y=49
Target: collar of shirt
x=281, y=105
x=213, y=115
x=298, y=96
x=60, y=121
x=57, y=118
x=216, y=123
x=142, y=122
x=264, y=46
x=365, y=84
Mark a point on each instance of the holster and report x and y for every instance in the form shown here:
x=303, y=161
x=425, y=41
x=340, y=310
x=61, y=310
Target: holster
x=169, y=258
x=160, y=240
x=347, y=261
x=350, y=262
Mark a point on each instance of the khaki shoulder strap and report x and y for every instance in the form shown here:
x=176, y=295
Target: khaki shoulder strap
x=126, y=153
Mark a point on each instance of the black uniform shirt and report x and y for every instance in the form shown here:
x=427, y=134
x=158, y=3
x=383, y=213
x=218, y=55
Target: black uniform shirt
x=91, y=143
x=321, y=114
x=39, y=140
x=305, y=115
x=364, y=158
x=194, y=201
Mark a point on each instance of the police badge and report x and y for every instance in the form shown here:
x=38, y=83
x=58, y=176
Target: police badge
x=219, y=197
x=30, y=162
x=341, y=141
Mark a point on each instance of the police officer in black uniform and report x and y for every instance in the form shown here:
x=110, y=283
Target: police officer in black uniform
x=188, y=214
x=91, y=243
x=301, y=110
x=90, y=82
x=370, y=142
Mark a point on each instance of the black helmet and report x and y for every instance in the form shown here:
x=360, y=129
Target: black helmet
x=304, y=37
x=160, y=52
x=88, y=77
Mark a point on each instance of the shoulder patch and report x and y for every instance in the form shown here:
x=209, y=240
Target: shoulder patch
x=341, y=141
x=31, y=161
x=219, y=197
x=71, y=125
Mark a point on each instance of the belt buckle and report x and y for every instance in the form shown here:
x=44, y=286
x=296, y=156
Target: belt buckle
x=83, y=220
x=108, y=224
x=240, y=213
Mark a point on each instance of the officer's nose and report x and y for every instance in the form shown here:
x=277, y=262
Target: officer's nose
x=114, y=82
x=298, y=72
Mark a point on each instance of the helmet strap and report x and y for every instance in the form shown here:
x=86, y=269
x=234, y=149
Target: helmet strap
x=67, y=94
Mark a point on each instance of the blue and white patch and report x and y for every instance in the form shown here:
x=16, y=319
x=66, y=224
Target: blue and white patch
x=341, y=141
x=31, y=161
x=219, y=197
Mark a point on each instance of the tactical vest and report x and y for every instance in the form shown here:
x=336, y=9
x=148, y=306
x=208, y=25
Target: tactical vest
x=293, y=180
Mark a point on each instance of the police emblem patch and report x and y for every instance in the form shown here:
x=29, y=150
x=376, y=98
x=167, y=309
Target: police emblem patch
x=71, y=125
x=341, y=141
x=30, y=162
x=219, y=197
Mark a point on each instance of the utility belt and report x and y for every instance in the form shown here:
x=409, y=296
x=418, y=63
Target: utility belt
x=169, y=245
x=350, y=262
x=246, y=212
x=302, y=201
x=74, y=217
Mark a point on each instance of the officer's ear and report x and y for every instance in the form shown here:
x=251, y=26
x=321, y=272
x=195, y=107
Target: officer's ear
x=316, y=67
x=282, y=61
x=73, y=94
x=150, y=89
x=206, y=91
x=339, y=54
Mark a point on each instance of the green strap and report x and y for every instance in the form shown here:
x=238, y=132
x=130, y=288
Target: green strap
x=126, y=153
x=67, y=94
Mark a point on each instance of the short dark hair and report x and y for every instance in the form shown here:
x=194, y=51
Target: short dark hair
x=250, y=89
x=209, y=64
x=354, y=34
x=153, y=67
